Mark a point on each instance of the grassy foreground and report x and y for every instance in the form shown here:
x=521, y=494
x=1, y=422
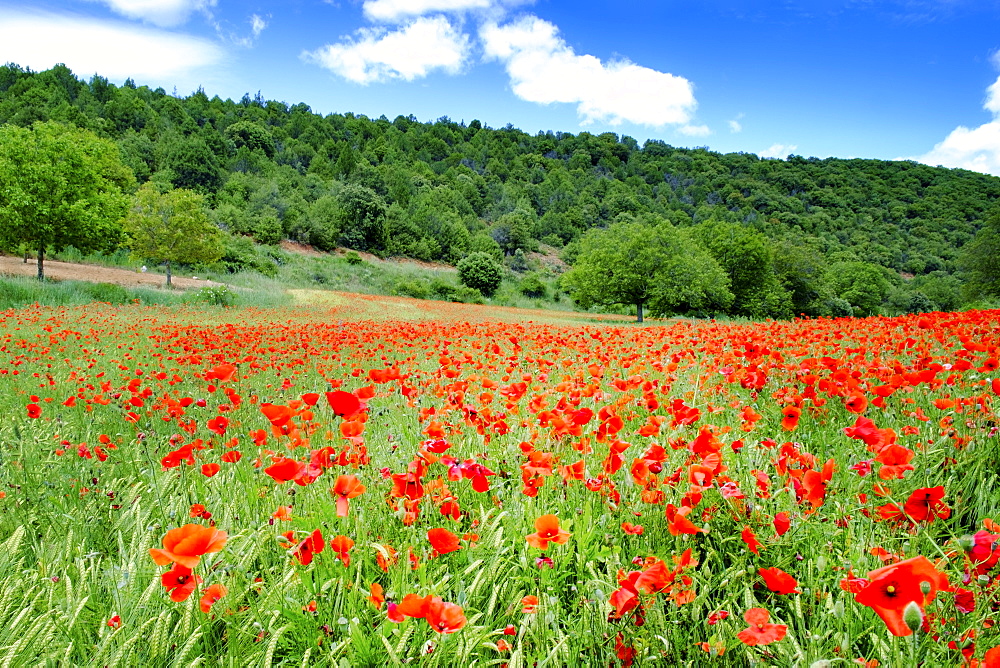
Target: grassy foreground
x=337, y=487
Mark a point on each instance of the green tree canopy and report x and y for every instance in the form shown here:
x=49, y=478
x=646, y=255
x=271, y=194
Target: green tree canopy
x=481, y=272
x=60, y=186
x=649, y=263
x=981, y=260
x=864, y=286
x=172, y=227
x=362, y=218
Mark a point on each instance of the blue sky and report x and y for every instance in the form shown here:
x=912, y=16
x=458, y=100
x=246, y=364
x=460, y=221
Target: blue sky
x=916, y=79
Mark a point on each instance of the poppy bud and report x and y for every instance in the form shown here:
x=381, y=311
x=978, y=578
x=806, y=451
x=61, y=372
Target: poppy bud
x=925, y=587
x=913, y=616
x=966, y=543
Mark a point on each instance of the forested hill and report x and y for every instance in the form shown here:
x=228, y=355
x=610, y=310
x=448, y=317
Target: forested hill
x=444, y=189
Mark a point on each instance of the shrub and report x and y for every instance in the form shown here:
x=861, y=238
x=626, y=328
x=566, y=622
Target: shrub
x=466, y=295
x=352, y=258
x=533, y=286
x=108, y=292
x=413, y=288
x=217, y=295
x=480, y=271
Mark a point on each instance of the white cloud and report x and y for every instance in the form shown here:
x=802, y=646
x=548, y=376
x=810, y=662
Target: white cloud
x=399, y=10
x=694, y=130
x=778, y=150
x=164, y=13
x=109, y=48
x=257, y=24
x=394, y=10
x=410, y=53
x=977, y=149
x=544, y=69
x=734, y=125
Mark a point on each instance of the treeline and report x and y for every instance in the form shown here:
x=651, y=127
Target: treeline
x=444, y=190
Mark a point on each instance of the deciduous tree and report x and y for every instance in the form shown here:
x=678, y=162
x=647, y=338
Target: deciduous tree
x=649, y=264
x=172, y=227
x=60, y=186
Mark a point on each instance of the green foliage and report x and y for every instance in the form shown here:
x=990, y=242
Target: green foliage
x=645, y=264
x=981, y=260
x=352, y=258
x=864, y=286
x=215, y=295
x=441, y=190
x=61, y=186
x=480, y=272
x=171, y=227
x=362, y=219
x=533, y=286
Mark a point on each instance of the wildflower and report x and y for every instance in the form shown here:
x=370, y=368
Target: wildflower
x=342, y=546
x=211, y=595
x=179, y=582
x=778, y=581
x=891, y=588
x=187, y=544
x=346, y=487
x=760, y=632
x=547, y=531
x=443, y=541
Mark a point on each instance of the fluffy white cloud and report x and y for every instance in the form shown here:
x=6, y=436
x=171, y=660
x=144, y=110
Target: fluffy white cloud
x=109, y=48
x=394, y=10
x=165, y=13
x=694, y=130
x=977, y=149
x=734, y=125
x=257, y=24
x=401, y=10
x=544, y=69
x=778, y=150
x=412, y=52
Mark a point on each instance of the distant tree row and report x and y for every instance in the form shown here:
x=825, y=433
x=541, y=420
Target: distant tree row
x=446, y=190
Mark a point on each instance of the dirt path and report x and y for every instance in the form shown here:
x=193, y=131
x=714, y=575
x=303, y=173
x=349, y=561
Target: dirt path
x=66, y=271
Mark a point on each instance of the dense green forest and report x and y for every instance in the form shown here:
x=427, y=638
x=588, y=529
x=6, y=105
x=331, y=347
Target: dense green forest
x=801, y=235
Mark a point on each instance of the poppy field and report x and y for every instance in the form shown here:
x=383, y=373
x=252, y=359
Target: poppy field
x=307, y=487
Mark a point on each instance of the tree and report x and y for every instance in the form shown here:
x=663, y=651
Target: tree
x=980, y=259
x=59, y=187
x=650, y=264
x=864, y=286
x=480, y=271
x=362, y=218
x=172, y=227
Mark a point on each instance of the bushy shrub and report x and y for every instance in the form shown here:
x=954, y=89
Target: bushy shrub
x=480, y=271
x=466, y=295
x=412, y=288
x=533, y=286
x=353, y=258
x=216, y=295
x=108, y=292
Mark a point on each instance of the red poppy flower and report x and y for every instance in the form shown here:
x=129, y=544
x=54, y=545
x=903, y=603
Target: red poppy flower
x=443, y=541
x=211, y=595
x=343, y=403
x=179, y=582
x=925, y=504
x=445, y=617
x=346, y=487
x=778, y=581
x=750, y=539
x=547, y=531
x=892, y=587
x=312, y=545
x=34, y=411
x=185, y=545
x=759, y=631
x=342, y=546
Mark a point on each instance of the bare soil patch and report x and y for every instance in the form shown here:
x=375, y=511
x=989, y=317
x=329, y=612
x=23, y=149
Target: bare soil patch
x=68, y=271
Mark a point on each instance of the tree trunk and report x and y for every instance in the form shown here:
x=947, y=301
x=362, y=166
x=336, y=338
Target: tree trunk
x=41, y=263
x=638, y=312
x=168, y=274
